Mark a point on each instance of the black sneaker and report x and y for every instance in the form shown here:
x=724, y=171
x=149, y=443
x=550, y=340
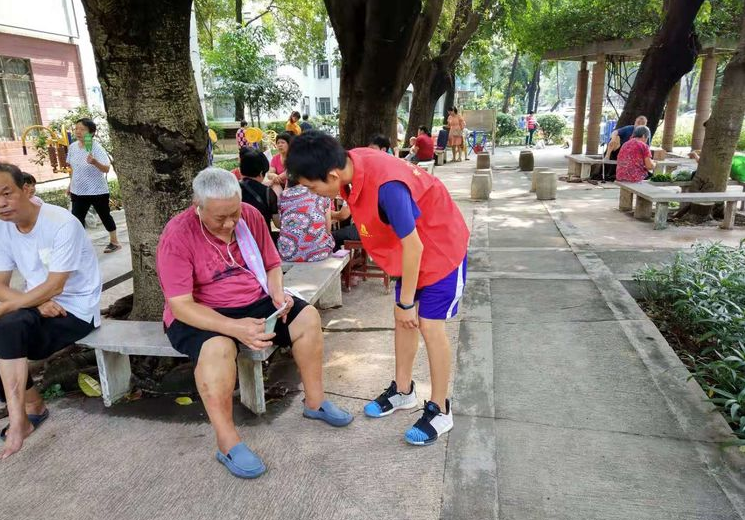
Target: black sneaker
x=390, y=401
x=432, y=424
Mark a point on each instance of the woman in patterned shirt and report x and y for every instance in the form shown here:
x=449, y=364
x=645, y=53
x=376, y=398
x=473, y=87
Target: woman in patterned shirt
x=88, y=185
x=305, y=225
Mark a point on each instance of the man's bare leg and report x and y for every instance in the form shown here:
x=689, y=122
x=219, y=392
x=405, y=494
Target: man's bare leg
x=438, y=351
x=14, y=373
x=307, y=349
x=215, y=376
x=406, y=345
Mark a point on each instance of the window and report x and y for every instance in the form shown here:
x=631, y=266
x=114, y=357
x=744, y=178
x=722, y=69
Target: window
x=323, y=70
x=306, y=105
x=18, y=105
x=323, y=106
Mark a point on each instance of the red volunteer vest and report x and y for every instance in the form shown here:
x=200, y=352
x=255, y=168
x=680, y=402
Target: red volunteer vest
x=441, y=227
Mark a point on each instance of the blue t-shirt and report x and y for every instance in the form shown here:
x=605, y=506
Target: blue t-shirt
x=625, y=132
x=397, y=209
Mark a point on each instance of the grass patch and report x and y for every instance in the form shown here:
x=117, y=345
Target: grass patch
x=698, y=303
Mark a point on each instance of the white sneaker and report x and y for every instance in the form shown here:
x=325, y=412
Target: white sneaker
x=390, y=401
x=431, y=425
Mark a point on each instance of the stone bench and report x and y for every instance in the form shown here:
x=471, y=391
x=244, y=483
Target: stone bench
x=586, y=162
x=319, y=283
x=427, y=165
x=647, y=195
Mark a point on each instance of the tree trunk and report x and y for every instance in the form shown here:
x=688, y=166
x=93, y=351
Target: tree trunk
x=240, y=105
x=532, y=89
x=158, y=134
x=381, y=42
x=724, y=126
x=671, y=55
x=511, y=83
x=430, y=82
x=449, y=99
x=435, y=74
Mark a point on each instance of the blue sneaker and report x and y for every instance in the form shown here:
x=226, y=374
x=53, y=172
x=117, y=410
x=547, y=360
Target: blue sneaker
x=390, y=401
x=329, y=413
x=242, y=462
x=431, y=425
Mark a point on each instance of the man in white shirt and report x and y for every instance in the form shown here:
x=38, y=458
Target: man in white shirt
x=59, y=306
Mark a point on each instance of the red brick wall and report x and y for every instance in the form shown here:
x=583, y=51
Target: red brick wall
x=59, y=87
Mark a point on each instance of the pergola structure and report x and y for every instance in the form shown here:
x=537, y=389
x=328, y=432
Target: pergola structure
x=633, y=50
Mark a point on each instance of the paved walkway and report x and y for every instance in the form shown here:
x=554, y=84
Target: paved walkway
x=568, y=402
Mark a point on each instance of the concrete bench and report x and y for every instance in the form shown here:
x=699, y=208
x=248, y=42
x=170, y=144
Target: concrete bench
x=586, y=162
x=647, y=195
x=319, y=283
x=427, y=165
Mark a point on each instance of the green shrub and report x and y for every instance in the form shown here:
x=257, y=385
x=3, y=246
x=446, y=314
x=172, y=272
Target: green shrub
x=700, y=297
x=661, y=177
x=506, y=127
x=55, y=197
x=229, y=165
x=553, y=126
x=277, y=126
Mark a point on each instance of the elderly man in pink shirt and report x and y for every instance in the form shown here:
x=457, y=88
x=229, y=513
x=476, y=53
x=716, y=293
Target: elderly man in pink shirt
x=222, y=277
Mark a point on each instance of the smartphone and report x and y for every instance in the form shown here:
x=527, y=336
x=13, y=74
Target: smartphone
x=271, y=321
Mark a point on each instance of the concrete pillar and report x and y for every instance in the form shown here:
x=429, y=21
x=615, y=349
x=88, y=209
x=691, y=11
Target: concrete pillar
x=597, y=93
x=580, y=104
x=671, y=118
x=703, y=101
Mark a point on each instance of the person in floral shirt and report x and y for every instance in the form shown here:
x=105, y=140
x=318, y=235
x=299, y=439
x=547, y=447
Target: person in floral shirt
x=240, y=135
x=635, y=159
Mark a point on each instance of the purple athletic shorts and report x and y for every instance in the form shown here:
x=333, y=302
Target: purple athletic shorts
x=439, y=301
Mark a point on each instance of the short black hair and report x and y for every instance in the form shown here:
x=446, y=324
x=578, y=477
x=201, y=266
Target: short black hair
x=381, y=141
x=15, y=173
x=295, y=113
x=88, y=123
x=424, y=129
x=313, y=154
x=305, y=117
x=243, y=123
x=28, y=179
x=454, y=109
x=253, y=162
x=286, y=137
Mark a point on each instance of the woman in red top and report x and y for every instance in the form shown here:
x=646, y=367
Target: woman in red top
x=635, y=159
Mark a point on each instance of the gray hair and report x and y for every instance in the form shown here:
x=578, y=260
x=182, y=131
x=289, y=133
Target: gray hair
x=642, y=131
x=214, y=183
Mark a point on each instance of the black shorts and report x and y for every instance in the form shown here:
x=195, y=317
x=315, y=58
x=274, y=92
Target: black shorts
x=189, y=340
x=26, y=334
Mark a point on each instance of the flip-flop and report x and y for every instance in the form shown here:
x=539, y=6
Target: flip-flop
x=35, y=420
x=242, y=462
x=112, y=247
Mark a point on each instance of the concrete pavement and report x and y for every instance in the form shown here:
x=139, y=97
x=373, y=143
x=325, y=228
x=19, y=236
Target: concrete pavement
x=568, y=402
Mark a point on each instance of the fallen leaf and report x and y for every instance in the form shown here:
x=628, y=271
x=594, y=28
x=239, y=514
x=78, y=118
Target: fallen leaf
x=184, y=401
x=88, y=385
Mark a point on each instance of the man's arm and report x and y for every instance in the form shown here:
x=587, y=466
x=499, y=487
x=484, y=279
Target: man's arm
x=51, y=287
x=6, y=293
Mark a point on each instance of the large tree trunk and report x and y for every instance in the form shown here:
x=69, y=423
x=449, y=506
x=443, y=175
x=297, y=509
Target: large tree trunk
x=240, y=105
x=724, y=126
x=436, y=73
x=431, y=81
x=381, y=43
x=533, y=89
x=449, y=99
x=672, y=54
x=511, y=83
x=158, y=134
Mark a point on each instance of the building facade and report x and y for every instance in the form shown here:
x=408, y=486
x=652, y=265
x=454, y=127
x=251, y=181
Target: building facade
x=46, y=69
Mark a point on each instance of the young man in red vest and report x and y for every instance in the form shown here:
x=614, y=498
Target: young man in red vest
x=411, y=227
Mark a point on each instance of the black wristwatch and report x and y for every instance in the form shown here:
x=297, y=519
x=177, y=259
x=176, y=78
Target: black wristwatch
x=405, y=307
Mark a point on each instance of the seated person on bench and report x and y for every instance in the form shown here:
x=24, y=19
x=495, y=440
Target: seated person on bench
x=423, y=149
x=60, y=305
x=222, y=277
x=635, y=159
x=618, y=138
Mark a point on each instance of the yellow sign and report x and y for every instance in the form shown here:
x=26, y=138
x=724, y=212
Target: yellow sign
x=363, y=231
